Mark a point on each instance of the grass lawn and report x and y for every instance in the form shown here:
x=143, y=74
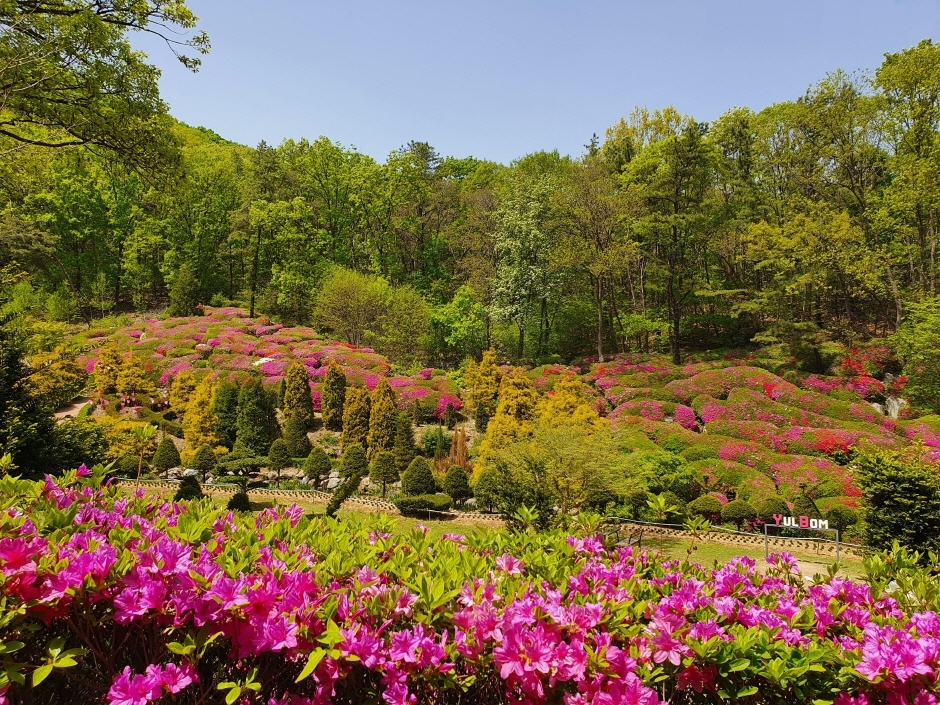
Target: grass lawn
x=708, y=553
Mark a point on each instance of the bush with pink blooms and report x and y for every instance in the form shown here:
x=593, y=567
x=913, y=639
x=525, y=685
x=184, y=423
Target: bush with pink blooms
x=128, y=600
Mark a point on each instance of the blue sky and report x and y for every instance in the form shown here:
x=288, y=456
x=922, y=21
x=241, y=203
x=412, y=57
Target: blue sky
x=499, y=79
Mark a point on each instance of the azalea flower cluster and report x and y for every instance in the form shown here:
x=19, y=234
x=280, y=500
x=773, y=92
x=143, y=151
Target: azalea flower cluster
x=160, y=602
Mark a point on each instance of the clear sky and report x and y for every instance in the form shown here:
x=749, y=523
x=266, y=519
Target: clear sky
x=497, y=79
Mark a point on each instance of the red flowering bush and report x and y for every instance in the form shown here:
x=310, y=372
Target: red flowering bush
x=131, y=600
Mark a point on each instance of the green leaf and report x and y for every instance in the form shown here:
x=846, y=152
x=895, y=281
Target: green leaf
x=749, y=690
x=41, y=673
x=233, y=695
x=739, y=665
x=179, y=649
x=11, y=646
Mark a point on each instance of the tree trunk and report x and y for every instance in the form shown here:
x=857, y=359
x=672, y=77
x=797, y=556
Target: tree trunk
x=674, y=314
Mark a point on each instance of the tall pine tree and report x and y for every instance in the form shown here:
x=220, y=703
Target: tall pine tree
x=333, y=397
x=383, y=419
x=356, y=418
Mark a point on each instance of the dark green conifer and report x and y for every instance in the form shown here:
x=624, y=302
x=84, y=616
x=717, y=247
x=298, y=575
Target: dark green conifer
x=225, y=409
x=204, y=461
x=279, y=457
x=255, y=417
x=189, y=489
x=418, y=479
x=404, y=448
x=317, y=466
x=184, y=295
x=384, y=471
x=354, y=460
x=295, y=435
x=167, y=456
x=457, y=484
x=383, y=417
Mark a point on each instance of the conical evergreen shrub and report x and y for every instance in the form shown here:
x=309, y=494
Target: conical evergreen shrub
x=298, y=401
x=383, y=418
x=167, y=456
x=184, y=294
x=189, y=489
x=356, y=418
x=354, y=461
x=239, y=502
x=204, y=461
x=225, y=410
x=255, y=418
x=317, y=466
x=333, y=397
x=418, y=479
x=404, y=448
x=383, y=471
x=295, y=435
x=457, y=484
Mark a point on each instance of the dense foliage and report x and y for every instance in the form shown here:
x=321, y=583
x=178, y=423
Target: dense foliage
x=805, y=226
x=290, y=608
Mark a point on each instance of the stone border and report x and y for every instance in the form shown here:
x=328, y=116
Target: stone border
x=308, y=495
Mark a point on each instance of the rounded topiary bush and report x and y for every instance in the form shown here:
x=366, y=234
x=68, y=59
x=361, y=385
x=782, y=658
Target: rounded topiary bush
x=737, y=512
x=166, y=456
x=204, y=461
x=418, y=479
x=804, y=506
x=457, y=484
x=770, y=506
x=239, y=502
x=317, y=466
x=841, y=518
x=354, y=461
x=705, y=506
x=189, y=489
x=295, y=436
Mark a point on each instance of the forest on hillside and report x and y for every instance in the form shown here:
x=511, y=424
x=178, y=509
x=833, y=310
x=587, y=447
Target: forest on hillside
x=808, y=225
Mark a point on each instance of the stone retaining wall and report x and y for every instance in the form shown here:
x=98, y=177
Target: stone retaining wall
x=774, y=543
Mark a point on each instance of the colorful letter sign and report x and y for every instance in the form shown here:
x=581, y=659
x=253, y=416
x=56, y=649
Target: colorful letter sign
x=801, y=522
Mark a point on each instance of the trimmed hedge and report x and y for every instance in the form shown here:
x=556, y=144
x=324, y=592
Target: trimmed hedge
x=410, y=506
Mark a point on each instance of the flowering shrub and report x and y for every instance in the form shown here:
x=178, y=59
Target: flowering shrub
x=444, y=401
x=650, y=410
x=866, y=387
x=685, y=417
x=131, y=600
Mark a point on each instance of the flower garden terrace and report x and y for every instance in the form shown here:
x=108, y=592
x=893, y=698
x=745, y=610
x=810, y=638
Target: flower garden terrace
x=108, y=598
x=738, y=429
x=230, y=344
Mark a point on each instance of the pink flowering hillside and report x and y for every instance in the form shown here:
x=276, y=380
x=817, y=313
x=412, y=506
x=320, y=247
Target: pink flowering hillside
x=228, y=343
x=124, y=600
x=798, y=434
